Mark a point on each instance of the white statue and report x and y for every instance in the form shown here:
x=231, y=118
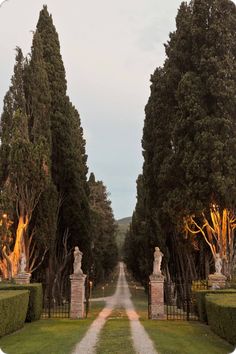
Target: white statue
x=22, y=263
x=157, y=261
x=218, y=263
x=77, y=260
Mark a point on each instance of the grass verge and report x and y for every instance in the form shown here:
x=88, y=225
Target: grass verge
x=52, y=336
x=115, y=336
x=45, y=336
x=178, y=337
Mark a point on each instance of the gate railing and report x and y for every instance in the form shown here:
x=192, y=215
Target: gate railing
x=56, y=298
x=180, y=300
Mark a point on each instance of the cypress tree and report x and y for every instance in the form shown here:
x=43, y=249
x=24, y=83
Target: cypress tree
x=38, y=103
x=14, y=100
x=205, y=131
x=137, y=249
x=189, y=140
x=157, y=146
x=24, y=162
x=105, y=252
x=68, y=146
x=40, y=123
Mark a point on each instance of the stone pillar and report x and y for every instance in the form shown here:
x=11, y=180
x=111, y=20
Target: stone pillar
x=77, y=308
x=216, y=281
x=22, y=278
x=157, y=297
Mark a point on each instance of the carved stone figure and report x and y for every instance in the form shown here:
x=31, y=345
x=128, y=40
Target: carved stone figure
x=218, y=263
x=157, y=261
x=22, y=263
x=77, y=261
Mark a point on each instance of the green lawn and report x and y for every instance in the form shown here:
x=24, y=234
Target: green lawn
x=115, y=337
x=45, y=336
x=55, y=336
x=178, y=337
x=52, y=336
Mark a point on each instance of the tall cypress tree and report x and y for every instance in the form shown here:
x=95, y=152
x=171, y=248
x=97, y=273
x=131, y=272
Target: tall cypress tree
x=189, y=138
x=105, y=251
x=137, y=247
x=14, y=100
x=39, y=116
x=24, y=165
x=38, y=103
x=157, y=145
x=204, y=131
x=68, y=146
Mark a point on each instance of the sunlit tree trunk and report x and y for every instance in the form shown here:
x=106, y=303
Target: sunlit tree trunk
x=19, y=243
x=11, y=260
x=218, y=232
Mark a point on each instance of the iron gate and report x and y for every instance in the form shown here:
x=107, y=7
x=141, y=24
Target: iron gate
x=180, y=299
x=56, y=300
x=56, y=294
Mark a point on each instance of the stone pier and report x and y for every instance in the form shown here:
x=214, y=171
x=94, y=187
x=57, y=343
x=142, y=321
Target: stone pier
x=156, y=311
x=77, y=305
x=157, y=297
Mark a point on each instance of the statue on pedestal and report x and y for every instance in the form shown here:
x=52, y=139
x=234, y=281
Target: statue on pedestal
x=77, y=261
x=218, y=263
x=157, y=261
x=22, y=263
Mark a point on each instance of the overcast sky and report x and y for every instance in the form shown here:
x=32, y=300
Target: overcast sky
x=110, y=49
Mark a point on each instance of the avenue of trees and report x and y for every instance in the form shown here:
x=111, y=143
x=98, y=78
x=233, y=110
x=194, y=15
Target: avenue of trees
x=104, y=248
x=47, y=204
x=186, y=194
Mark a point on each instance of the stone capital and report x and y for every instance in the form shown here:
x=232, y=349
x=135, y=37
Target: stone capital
x=158, y=278
x=77, y=277
x=217, y=280
x=22, y=278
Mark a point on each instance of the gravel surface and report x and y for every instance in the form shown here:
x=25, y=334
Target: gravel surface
x=121, y=298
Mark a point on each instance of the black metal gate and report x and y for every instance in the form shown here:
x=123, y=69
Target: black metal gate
x=56, y=295
x=149, y=300
x=87, y=295
x=180, y=299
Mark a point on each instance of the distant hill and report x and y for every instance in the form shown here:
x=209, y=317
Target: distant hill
x=123, y=226
x=124, y=221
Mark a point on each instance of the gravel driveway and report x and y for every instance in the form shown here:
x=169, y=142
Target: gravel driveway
x=122, y=298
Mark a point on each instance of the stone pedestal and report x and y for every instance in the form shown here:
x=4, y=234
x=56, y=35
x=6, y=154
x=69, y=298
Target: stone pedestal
x=22, y=278
x=216, y=281
x=157, y=297
x=77, y=308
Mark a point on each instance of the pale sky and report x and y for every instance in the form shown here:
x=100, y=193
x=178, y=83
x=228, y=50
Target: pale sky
x=110, y=49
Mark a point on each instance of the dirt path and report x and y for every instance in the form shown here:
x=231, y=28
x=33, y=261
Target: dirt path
x=88, y=344
x=121, y=298
x=141, y=341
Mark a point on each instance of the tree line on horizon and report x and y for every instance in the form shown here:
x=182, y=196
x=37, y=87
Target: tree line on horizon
x=186, y=194
x=48, y=206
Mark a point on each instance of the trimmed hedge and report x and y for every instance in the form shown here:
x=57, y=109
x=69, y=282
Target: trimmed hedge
x=221, y=314
x=35, y=298
x=13, y=309
x=201, y=301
